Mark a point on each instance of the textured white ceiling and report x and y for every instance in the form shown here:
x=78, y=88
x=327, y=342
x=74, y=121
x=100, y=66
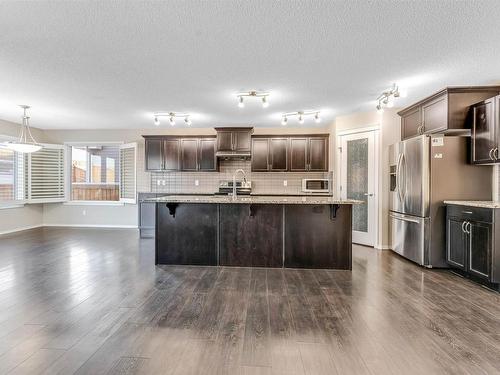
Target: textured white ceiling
x=110, y=64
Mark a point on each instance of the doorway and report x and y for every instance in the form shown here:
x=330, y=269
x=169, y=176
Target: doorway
x=358, y=162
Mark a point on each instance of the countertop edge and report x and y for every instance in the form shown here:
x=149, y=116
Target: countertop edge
x=479, y=204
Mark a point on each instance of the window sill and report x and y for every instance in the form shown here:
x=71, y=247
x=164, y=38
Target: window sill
x=93, y=203
x=12, y=205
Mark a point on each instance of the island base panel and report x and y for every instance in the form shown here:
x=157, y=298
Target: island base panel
x=318, y=236
x=186, y=234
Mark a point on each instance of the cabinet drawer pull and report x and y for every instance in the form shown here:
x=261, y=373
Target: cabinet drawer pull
x=467, y=212
x=491, y=156
x=495, y=153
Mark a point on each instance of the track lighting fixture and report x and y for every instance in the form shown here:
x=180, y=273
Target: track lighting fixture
x=171, y=117
x=300, y=116
x=386, y=99
x=26, y=143
x=256, y=94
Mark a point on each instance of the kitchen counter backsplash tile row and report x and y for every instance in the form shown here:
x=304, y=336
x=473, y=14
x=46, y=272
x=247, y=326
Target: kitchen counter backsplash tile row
x=208, y=182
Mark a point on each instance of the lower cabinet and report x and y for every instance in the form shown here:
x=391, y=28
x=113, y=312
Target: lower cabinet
x=470, y=242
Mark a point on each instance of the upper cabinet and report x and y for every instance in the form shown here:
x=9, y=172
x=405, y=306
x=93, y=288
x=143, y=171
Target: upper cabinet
x=188, y=154
x=290, y=153
x=485, y=124
x=234, y=139
x=444, y=112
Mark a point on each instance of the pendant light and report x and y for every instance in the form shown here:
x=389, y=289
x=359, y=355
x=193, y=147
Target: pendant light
x=26, y=142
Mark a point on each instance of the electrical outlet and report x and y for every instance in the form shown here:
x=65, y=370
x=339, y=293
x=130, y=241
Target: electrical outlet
x=196, y=182
x=285, y=183
x=158, y=182
x=163, y=182
x=84, y=212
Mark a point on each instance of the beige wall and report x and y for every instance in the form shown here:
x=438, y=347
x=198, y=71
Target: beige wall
x=389, y=133
x=29, y=216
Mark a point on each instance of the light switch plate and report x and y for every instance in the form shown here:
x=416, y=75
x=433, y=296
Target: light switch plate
x=196, y=182
x=285, y=183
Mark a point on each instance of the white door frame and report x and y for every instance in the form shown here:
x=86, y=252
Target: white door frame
x=377, y=180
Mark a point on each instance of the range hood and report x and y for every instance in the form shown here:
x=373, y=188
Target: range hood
x=233, y=155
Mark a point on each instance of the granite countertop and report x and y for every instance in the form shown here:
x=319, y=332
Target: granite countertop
x=261, y=199
x=482, y=204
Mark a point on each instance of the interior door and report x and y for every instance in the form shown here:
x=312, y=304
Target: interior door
x=358, y=168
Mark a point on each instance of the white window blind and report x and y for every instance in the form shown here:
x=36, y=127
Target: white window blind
x=45, y=181
x=128, y=173
x=11, y=177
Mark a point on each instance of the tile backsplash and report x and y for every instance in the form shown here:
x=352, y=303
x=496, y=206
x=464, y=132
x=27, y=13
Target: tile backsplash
x=208, y=182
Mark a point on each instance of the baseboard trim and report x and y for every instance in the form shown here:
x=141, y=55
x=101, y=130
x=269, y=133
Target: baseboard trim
x=92, y=226
x=21, y=229
x=382, y=247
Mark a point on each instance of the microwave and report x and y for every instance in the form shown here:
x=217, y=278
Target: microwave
x=316, y=185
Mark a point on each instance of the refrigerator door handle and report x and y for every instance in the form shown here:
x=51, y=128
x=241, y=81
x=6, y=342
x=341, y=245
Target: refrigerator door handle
x=404, y=218
x=403, y=173
x=398, y=177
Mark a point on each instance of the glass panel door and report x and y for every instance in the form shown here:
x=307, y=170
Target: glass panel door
x=358, y=182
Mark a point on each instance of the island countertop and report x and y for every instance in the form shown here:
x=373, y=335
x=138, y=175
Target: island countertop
x=260, y=199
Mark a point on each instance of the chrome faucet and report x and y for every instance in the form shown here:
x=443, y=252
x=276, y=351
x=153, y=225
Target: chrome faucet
x=234, y=180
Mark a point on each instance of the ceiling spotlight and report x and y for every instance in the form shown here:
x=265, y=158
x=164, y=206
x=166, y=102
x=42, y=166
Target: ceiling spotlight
x=300, y=116
x=265, y=103
x=386, y=99
x=171, y=117
x=172, y=120
x=157, y=121
x=187, y=121
x=240, y=102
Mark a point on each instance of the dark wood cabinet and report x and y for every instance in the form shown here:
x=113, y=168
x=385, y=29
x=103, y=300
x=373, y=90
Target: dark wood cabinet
x=171, y=154
x=457, y=243
x=410, y=123
x=260, y=154
x=207, y=160
x=435, y=115
x=278, y=154
x=480, y=235
x=485, y=120
x=318, y=154
x=472, y=242
x=251, y=235
x=298, y=154
x=290, y=154
x=154, y=154
x=234, y=139
x=443, y=112
x=189, y=154
x=180, y=153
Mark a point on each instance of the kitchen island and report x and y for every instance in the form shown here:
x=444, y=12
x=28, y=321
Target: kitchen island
x=254, y=231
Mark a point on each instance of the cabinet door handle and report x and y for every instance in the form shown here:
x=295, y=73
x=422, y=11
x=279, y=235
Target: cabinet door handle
x=467, y=227
x=491, y=157
x=463, y=226
x=495, y=153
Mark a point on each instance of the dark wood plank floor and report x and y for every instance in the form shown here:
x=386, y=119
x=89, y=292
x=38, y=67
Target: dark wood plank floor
x=88, y=301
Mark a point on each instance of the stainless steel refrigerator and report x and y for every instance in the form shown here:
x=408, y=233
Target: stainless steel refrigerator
x=425, y=171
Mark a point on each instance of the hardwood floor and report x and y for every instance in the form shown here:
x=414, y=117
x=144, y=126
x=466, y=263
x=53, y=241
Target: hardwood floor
x=88, y=301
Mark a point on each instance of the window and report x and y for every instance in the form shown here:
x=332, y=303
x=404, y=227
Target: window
x=95, y=173
x=11, y=177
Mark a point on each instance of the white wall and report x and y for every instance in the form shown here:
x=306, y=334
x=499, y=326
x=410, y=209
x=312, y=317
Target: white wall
x=29, y=216
x=390, y=132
